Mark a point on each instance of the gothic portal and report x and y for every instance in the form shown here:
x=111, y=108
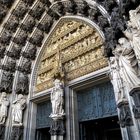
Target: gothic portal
x=69, y=70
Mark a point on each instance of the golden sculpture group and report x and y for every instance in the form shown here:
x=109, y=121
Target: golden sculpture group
x=76, y=48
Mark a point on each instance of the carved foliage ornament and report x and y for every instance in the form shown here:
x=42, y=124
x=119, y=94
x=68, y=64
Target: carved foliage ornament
x=21, y=38
x=14, y=52
x=6, y=83
x=21, y=10
x=22, y=84
x=37, y=11
x=57, y=128
x=17, y=132
x=10, y=65
x=125, y=117
x=30, y=53
x=12, y=24
x=5, y=38
x=2, y=50
x=28, y=25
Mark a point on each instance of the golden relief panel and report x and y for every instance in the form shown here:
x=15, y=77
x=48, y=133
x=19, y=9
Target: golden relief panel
x=75, y=48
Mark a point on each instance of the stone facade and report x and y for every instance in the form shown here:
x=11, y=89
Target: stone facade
x=75, y=42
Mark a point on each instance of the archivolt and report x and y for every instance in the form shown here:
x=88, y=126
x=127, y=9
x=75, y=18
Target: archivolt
x=22, y=37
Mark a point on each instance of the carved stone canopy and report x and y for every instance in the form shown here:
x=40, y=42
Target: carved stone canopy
x=73, y=49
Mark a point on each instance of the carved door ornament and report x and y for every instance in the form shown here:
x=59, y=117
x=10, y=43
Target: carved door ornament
x=72, y=50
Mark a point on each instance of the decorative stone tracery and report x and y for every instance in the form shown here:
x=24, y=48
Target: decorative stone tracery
x=57, y=9
x=17, y=23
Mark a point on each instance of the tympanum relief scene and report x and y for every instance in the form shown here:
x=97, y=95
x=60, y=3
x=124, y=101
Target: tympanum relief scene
x=75, y=49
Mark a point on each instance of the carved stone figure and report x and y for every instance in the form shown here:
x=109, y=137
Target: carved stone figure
x=2, y=50
x=5, y=38
x=134, y=36
x=10, y=66
x=128, y=63
x=17, y=133
x=4, y=103
x=15, y=51
x=57, y=100
x=22, y=85
x=17, y=110
x=116, y=80
x=125, y=117
x=134, y=18
x=6, y=83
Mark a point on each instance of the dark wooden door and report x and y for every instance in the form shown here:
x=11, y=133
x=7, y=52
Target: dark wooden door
x=43, y=134
x=96, y=102
x=43, y=121
x=102, y=129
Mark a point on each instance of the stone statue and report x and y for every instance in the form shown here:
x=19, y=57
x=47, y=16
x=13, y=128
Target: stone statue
x=4, y=103
x=128, y=63
x=57, y=100
x=134, y=37
x=116, y=80
x=133, y=31
x=17, y=110
x=134, y=18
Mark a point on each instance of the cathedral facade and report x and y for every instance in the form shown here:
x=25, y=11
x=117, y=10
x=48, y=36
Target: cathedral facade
x=69, y=69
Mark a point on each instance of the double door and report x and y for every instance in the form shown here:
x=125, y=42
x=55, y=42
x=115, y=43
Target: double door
x=102, y=129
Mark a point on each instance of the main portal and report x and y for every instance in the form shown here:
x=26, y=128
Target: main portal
x=97, y=113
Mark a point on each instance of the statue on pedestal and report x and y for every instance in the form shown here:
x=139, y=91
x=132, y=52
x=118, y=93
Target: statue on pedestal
x=57, y=100
x=116, y=80
x=4, y=103
x=17, y=110
x=128, y=64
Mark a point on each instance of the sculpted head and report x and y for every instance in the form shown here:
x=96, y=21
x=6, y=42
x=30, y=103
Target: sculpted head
x=122, y=41
x=132, y=13
x=3, y=95
x=20, y=96
x=57, y=83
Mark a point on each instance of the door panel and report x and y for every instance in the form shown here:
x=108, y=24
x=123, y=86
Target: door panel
x=43, y=112
x=96, y=102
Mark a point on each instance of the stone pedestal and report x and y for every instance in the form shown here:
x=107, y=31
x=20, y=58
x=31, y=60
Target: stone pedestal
x=125, y=117
x=17, y=132
x=2, y=131
x=57, y=129
x=57, y=137
x=135, y=93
